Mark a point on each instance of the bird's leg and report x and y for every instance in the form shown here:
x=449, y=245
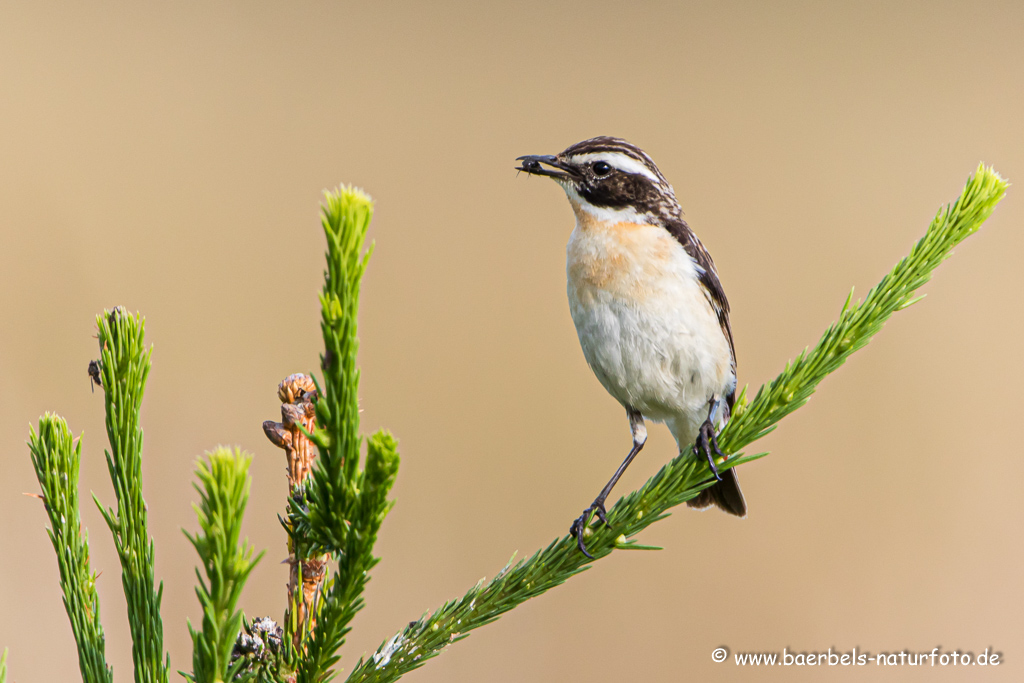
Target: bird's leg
x=707, y=441
x=639, y=430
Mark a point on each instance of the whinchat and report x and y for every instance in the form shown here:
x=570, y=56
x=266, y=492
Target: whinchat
x=649, y=308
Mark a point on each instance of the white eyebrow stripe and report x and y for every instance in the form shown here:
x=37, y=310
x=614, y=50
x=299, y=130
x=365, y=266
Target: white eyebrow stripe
x=619, y=160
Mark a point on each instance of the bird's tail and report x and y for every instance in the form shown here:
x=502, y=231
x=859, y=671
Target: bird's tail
x=725, y=494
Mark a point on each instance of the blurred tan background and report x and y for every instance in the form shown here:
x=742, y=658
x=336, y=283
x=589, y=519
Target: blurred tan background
x=172, y=159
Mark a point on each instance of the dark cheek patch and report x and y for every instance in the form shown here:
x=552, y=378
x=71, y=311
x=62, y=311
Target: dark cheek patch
x=621, y=190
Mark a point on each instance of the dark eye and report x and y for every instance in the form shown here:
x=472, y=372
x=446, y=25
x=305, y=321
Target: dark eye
x=601, y=168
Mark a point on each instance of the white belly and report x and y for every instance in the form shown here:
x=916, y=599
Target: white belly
x=644, y=324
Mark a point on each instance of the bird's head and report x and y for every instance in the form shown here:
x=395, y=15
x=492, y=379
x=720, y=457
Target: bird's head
x=610, y=178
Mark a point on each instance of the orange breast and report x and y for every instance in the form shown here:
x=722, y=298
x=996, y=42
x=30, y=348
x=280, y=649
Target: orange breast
x=622, y=258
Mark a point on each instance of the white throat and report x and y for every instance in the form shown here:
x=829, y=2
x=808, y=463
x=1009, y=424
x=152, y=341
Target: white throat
x=604, y=214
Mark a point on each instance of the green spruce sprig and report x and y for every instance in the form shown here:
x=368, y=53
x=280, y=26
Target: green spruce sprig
x=56, y=458
x=344, y=597
x=124, y=367
x=227, y=563
x=859, y=321
x=685, y=476
x=343, y=506
x=333, y=490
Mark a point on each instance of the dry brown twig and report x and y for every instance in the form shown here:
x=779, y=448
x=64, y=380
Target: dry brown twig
x=298, y=411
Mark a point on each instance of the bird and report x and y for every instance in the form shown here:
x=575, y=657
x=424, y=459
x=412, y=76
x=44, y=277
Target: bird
x=649, y=308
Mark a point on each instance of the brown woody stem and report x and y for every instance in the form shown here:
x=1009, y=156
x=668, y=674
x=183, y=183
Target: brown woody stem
x=298, y=397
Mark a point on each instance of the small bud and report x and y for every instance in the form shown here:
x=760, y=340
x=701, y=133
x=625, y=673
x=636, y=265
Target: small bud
x=293, y=387
x=278, y=435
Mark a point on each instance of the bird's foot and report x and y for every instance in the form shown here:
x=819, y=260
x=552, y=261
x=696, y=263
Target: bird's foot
x=707, y=444
x=580, y=525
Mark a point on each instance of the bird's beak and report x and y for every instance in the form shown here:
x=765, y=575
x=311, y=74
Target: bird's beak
x=532, y=165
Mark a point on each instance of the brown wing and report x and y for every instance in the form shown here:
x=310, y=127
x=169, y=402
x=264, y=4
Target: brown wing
x=726, y=494
x=710, y=284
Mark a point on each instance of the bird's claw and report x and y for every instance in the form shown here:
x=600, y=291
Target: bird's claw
x=707, y=444
x=580, y=525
